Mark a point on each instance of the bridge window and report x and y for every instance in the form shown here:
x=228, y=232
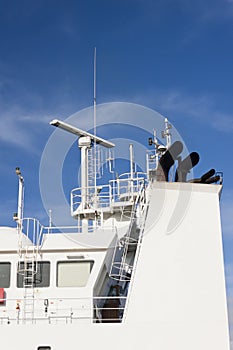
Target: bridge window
x=73, y=273
x=41, y=274
x=5, y=274
x=44, y=348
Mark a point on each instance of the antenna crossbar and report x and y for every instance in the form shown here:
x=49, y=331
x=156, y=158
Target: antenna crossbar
x=79, y=132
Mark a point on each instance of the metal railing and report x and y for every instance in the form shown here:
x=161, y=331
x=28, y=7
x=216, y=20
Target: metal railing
x=33, y=230
x=151, y=160
x=122, y=189
x=105, y=309
x=121, y=270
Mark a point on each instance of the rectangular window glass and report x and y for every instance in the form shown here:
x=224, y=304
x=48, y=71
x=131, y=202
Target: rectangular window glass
x=73, y=273
x=44, y=348
x=5, y=274
x=41, y=274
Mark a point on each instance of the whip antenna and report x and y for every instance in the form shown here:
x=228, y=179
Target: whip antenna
x=95, y=150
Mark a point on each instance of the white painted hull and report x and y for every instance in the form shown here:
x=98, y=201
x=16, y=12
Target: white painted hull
x=177, y=297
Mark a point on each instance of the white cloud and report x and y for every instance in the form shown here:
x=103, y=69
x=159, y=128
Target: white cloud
x=230, y=318
x=18, y=128
x=203, y=108
x=206, y=10
x=21, y=113
x=227, y=213
x=199, y=11
x=223, y=122
x=200, y=14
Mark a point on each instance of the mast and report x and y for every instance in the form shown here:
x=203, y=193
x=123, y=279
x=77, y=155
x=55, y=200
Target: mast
x=94, y=106
x=166, y=133
x=85, y=142
x=95, y=91
x=19, y=216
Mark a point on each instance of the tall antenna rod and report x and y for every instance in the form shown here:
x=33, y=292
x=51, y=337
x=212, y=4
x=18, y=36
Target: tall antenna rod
x=95, y=155
x=95, y=91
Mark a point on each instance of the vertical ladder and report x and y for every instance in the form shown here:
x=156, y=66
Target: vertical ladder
x=91, y=181
x=94, y=165
x=94, y=173
x=28, y=264
x=91, y=168
x=120, y=268
x=29, y=272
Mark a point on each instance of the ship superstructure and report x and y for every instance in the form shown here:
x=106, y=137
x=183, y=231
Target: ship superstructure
x=142, y=267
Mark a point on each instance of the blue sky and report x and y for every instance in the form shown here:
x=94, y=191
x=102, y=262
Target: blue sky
x=174, y=56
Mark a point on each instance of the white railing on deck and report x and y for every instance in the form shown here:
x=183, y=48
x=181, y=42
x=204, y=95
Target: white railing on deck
x=65, y=310
x=124, y=188
x=33, y=230
x=120, y=269
x=151, y=160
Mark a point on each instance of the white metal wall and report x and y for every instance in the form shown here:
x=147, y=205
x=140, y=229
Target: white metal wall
x=179, y=284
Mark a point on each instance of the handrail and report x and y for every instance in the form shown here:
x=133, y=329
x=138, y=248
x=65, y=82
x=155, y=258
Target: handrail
x=33, y=230
x=120, y=269
x=102, y=309
x=103, y=196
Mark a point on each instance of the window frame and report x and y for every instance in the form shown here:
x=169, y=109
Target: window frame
x=91, y=261
x=19, y=276
x=9, y=277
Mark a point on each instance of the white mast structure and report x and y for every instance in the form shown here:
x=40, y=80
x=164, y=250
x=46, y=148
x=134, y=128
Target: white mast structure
x=166, y=133
x=19, y=216
x=94, y=108
x=85, y=143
